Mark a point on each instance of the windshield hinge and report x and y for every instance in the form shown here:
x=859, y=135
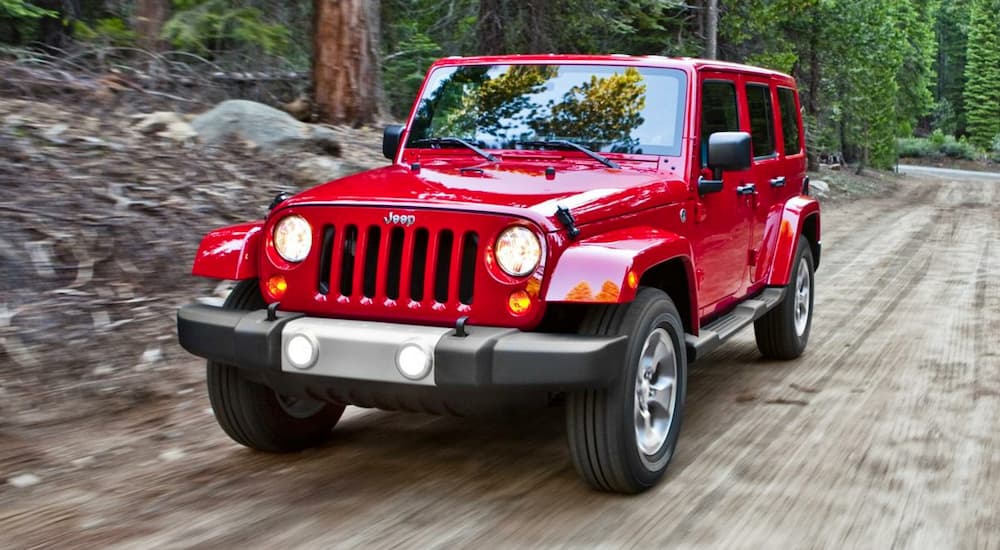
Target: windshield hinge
x=565, y=217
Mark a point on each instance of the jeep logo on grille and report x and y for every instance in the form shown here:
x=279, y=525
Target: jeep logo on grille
x=399, y=219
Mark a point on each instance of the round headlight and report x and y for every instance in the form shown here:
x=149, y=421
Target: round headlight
x=518, y=251
x=293, y=238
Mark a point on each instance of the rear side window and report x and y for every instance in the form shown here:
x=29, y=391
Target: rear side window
x=718, y=112
x=789, y=121
x=761, y=119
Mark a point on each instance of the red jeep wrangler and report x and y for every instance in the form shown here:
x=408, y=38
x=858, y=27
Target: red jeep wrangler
x=551, y=227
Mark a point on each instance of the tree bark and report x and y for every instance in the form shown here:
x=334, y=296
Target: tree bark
x=812, y=101
x=346, y=71
x=712, y=30
x=490, y=27
x=148, y=21
x=55, y=32
x=538, y=28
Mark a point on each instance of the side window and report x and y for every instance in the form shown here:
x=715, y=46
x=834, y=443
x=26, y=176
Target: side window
x=789, y=121
x=718, y=112
x=761, y=119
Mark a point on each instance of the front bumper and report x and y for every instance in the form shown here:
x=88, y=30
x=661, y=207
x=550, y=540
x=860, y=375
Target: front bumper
x=365, y=350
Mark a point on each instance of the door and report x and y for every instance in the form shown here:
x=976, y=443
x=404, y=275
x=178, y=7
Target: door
x=782, y=171
x=766, y=168
x=723, y=218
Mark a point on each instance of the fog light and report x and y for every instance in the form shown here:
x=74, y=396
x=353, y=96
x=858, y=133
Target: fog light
x=276, y=286
x=519, y=302
x=413, y=361
x=301, y=351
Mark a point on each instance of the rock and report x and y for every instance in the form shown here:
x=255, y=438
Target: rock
x=315, y=169
x=152, y=355
x=166, y=124
x=819, y=188
x=266, y=127
x=54, y=133
x=83, y=461
x=24, y=480
x=300, y=109
x=172, y=455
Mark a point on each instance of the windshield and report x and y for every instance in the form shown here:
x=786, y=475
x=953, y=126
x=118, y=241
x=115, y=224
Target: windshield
x=608, y=109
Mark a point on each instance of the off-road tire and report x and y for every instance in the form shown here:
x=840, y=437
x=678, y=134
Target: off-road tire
x=776, y=332
x=252, y=414
x=601, y=423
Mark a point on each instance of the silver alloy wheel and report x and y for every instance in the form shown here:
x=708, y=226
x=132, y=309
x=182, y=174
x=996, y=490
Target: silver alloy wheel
x=802, y=291
x=655, y=394
x=299, y=408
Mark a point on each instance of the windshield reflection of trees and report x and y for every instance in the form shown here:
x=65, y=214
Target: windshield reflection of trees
x=600, y=112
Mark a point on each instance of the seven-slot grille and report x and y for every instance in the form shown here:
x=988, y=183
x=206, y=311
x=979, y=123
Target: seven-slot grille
x=398, y=263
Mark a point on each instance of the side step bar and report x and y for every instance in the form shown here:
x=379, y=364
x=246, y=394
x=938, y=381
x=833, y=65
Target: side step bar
x=718, y=331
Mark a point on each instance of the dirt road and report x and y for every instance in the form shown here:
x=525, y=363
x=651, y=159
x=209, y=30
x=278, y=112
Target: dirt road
x=882, y=435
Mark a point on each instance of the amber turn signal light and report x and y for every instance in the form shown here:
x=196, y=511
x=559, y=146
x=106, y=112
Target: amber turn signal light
x=276, y=286
x=632, y=280
x=519, y=302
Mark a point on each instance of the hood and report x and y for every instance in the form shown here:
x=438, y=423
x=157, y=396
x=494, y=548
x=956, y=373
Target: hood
x=521, y=189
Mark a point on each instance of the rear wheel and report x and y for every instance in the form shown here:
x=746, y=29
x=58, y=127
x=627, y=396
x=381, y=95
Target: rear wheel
x=253, y=414
x=783, y=332
x=622, y=437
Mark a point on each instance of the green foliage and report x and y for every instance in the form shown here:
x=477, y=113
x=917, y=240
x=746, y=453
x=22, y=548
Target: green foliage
x=415, y=32
x=982, y=73
x=937, y=146
x=914, y=147
x=783, y=61
x=951, y=30
x=944, y=118
x=203, y=26
x=20, y=9
x=915, y=25
x=995, y=152
x=937, y=138
x=866, y=44
x=403, y=70
x=111, y=31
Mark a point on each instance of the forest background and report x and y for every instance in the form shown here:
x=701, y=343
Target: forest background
x=879, y=79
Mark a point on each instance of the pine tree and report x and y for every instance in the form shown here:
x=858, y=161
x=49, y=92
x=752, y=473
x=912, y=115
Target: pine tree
x=915, y=21
x=951, y=28
x=982, y=73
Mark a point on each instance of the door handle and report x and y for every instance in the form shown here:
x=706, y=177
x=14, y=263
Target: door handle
x=747, y=189
x=778, y=181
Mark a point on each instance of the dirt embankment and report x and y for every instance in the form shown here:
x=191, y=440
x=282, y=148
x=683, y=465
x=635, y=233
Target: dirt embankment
x=99, y=222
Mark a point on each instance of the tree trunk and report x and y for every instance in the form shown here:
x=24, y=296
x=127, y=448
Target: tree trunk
x=712, y=30
x=55, y=32
x=490, y=27
x=812, y=101
x=346, y=71
x=540, y=32
x=148, y=20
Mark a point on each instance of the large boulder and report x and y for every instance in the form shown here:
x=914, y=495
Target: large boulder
x=265, y=127
x=819, y=188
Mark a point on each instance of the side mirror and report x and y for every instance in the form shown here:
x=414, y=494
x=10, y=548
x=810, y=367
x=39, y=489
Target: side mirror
x=726, y=151
x=390, y=140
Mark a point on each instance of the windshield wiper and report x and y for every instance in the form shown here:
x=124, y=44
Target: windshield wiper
x=439, y=141
x=566, y=144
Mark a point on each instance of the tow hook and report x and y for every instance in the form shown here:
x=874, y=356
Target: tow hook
x=460, y=326
x=272, y=311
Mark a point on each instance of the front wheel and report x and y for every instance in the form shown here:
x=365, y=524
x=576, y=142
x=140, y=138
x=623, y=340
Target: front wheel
x=622, y=437
x=253, y=414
